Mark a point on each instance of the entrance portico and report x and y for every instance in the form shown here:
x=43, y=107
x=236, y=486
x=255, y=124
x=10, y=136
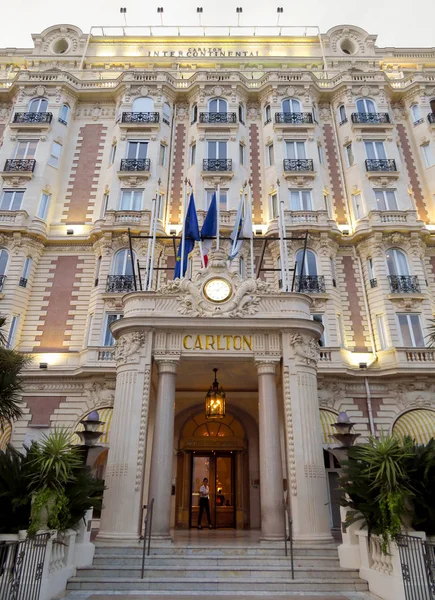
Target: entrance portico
x=180, y=325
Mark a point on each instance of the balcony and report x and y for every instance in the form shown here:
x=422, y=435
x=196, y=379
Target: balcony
x=404, y=284
x=31, y=120
x=298, y=165
x=299, y=120
x=135, y=168
x=363, y=120
x=23, y=282
x=119, y=284
x=18, y=169
x=139, y=120
x=2, y=281
x=310, y=284
x=217, y=167
x=431, y=118
x=211, y=119
x=381, y=167
x=373, y=283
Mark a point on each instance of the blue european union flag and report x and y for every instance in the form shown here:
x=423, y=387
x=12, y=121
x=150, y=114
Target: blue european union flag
x=191, y=235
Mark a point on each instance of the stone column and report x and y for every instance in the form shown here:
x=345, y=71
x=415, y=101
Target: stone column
x=121, y=515
x=163, y=448
x=271, y=480
x=306, y=471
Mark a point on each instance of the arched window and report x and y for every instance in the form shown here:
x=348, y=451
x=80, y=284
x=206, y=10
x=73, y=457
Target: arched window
x=4, y=258
x=267, y=114
x=122, y=263
x=291, y=105
x=194, y=115
x=342, y=114
x=365, y=105
x=64, y=114
x=166, y=113
x=419, y=424
x=397, y=262
x=432, y=105
x=242, y=114
x=143, y=104
x=38, y=105
x=307, y=267
x=218, y=105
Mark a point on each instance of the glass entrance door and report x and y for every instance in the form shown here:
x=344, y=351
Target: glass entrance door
x=218, y=468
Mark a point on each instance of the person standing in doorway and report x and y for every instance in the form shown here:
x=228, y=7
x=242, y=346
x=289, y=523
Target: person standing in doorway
x=204, y=503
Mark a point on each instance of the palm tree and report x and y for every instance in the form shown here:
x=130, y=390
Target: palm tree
x=431, y=334
x=11, y=364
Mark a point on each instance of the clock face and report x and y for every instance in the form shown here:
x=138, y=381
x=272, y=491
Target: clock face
x=217, y=290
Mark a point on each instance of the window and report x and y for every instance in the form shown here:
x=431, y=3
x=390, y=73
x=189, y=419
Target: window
x=416, y=114
x=432, y=105
x=294, y=149
x=4, y=257
x=300, y=200
x=26, y=149
x=410, y=329
x=161, y=206
x=54, y=157
x=38, y=105
x=319, y=318
x=97, y=271
x=162, y=155
x=242, y=267
x=314, y=110
x=11, y=200
x=131, y=200
x=380, y=324
x=104, y=205
x=223, y=198
x=274, y=208
x=365, y=105
x=166, y=114
x=112, y=154
x=386, y=200
x=242, y=114
x=340, y=332
x=194, y=113
x=192, y=154
x=137, y=150
x=267, y=114
x=358, y=208
x=64, y=114
x=122, y=263
x=241, y=154
x=375, y=150
x=12, y=331
x=349, y=155
x=328, y=205
x=108, y=339
x=26, y=271
x=342, y=114
x=397, y=262
x=216, y=149
x=218, y=105
x=291, y=105
x=270, y=155
x=428, y=155
x=310, y=264
x=44, y=203
x=143, y=104
x=89, y=330
x=371, y=272
x=334, y=278
x=320, y=154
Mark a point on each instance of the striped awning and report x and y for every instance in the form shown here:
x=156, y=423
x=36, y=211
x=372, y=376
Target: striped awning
x=327, y=418
x=418, y=424
x=5, y=434
x=104, y=414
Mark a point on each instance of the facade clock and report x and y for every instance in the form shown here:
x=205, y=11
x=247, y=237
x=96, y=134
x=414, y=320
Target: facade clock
x=217, y=290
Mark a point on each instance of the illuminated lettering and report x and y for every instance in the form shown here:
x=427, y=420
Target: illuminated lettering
x=237, y=342
x=247, y=342
x=198, y=343
x=185, y=340
x=209, y=342
x=219, y=347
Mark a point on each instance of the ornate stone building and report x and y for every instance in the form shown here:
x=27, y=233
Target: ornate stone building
x=338, y=130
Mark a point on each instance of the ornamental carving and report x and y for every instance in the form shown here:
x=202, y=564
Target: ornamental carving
x=128, y=345
x=306, y=349
x=100, y=393
x=143, y=429
x=291, y=461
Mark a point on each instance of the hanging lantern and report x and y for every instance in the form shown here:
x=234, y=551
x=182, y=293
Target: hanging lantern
x=215, y=400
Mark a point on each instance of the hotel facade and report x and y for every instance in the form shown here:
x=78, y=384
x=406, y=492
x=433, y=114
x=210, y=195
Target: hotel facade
x=98, y=131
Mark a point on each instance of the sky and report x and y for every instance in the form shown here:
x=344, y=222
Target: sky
x=399, y=23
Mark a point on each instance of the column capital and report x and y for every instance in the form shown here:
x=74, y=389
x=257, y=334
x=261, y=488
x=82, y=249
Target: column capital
x=167, y=365
x=266, y=366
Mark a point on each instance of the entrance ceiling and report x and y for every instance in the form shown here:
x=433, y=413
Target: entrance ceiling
x=197, y=375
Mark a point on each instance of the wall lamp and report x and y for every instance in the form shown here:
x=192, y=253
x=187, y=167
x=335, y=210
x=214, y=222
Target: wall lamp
x=43, y=365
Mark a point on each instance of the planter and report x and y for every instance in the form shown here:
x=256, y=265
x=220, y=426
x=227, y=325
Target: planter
x=44, y=513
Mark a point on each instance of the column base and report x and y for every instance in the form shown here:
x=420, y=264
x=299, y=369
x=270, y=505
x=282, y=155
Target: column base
x=270, y=539
x=161, y=540
x=313, y=538
x=117, y=539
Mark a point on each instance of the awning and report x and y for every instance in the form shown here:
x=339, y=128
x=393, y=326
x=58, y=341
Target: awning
x=5, y=434
x=104, y=414
x=418, y=424
x=327, y=418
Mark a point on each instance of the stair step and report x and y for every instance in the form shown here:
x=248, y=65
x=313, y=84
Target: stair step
x=207, y=561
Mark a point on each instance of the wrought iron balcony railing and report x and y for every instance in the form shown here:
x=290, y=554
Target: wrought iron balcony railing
x=119, y=283
x=296, y=118
x=298, y=164
x=135, y=164
x=310, y=284
x=371, y=118
x=33, y=117
x=217, y=117
x=20, y=165
x=404, y=284
x=140, y=117
x=217, y=164
x=381, y=164
x=2, y=280
x=431, y=117
x=373, y=282
x=23, y=282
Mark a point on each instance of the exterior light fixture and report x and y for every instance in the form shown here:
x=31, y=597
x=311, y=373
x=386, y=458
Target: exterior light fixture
x=43, y=365
x=70, y=231
x=215, y=400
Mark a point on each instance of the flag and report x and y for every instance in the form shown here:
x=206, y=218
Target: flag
x=237, y=232
x=209, y=228
x=191, y=235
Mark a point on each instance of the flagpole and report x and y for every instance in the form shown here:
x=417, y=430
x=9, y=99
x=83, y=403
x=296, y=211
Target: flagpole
x=150, y=242
x=251, y=242
x=183, y=232
x=283, y=241
x=156, y=214
x=201, y=252
x=218, y=214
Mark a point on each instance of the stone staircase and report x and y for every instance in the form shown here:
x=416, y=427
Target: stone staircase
x=225, y=568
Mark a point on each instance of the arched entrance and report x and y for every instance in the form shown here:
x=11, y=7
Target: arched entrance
x=216, y=450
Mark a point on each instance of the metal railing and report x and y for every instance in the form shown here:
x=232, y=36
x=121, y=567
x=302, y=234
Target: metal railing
x=288, y=535
x=370, y=118
x=33, y=117
x=310, y=284
x=404, y=284
x=217, y=164
x=140, y=117
x=21, y=567
x=295, y=118
x=146, y=537
x=20, y=165
x=381, y=164
x=2, y=281
x=135, y=164
x=417, y=559
x=431, y=117
x=217, y=117
x=298, y=164
x=373, y=282
x=120, y=283
x=23, y=282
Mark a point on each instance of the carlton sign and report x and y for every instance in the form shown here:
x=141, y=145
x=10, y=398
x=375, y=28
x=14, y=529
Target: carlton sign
x=221, y=343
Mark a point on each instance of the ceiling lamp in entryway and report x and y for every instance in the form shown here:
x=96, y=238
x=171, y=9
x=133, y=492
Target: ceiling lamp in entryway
x=215, y=400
